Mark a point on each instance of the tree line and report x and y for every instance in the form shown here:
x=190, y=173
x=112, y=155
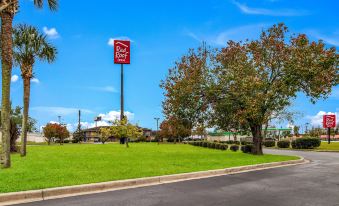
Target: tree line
x=247, y=83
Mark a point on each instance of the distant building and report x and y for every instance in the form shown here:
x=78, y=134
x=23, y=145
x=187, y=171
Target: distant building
x=93, y=134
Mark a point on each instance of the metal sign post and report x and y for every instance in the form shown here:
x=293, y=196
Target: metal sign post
x=122, y=51
x=329, y=121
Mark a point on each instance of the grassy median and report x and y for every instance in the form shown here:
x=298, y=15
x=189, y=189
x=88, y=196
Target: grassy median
x=74, y=164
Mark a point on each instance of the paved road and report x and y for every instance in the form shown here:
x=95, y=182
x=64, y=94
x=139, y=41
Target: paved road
x=316, y=183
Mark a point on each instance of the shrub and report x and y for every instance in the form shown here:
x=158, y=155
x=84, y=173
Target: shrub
x=269, y=143
x=236, y=142
x=213, y=145
x=247, y=148
x=244, y=143
x=205, y=144
x=234, y=148
x=229, y=142
x=306, y=143
x=66, y=141
x=223, y=146
x=283, y=144
x=74, y=141
x=217, y=146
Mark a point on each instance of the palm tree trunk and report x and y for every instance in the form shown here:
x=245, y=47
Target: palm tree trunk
x=27, y=88
x=6, y=57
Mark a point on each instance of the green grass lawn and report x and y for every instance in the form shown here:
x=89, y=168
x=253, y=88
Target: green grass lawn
x=334, y=146
x=74, y=164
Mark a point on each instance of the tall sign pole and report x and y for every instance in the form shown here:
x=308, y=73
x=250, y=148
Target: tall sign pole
x=122, y=93
x=329, y=121
x=122, y=52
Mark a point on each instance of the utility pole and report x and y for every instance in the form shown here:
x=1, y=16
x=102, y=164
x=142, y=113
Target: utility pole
x=157, y=119
x=59, y=119
x=79, y=119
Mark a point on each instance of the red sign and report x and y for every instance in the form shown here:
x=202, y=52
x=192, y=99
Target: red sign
x=329, y=121
x=122, y=52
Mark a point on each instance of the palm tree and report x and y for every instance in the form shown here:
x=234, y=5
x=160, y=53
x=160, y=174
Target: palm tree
x=8, y=9
x=29, y=46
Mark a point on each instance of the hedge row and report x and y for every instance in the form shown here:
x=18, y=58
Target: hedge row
x=269, y=143
x=284, y=144
x=211, y=145
x=306, y=143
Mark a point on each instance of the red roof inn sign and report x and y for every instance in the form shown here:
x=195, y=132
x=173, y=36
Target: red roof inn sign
x=329, y=121
x=122, y=52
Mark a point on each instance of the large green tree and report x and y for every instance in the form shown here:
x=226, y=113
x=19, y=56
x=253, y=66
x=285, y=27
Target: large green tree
x=261, y=77
x=184, y=90
x=8, y=9
x=29, y=46
x=252, y=80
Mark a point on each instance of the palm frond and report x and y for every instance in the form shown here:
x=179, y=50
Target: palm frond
x=52, y=4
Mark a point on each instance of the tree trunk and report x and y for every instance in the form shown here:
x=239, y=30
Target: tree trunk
x=127, y=142
x=27, y=88
x=257, y=139
x=6, y=57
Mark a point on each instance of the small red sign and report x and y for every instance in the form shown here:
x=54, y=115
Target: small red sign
x=329, y=121
x=122, y=52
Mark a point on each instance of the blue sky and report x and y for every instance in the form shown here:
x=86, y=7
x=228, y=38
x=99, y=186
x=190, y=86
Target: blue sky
x=84, y=76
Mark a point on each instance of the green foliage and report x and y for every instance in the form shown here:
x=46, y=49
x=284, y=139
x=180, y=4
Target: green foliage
x=234, y=148
x=56, y=131
x=105, y=134
x=269, y=143
x=212, y=145
x=247, y=148
x=306, y=143
x=243, y=84
x=284, y=144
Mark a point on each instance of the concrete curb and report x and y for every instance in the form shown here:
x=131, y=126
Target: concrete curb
x=60, y=192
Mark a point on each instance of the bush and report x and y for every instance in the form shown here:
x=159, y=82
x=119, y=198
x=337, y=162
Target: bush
x=217, y=146
x=247, y=148
x=223, y=146
x=205, y=144
x=213, y=145
x=66, y=141
x=229, y=142
x=244, y=143
x=284, y=144
x=306, y=143
x=236, y=142
x=234, y=148
x=74, y=141
x=269, y=143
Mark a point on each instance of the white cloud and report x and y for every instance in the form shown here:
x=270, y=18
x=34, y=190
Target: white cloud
x=329, y=38
x=235, y=34
x=114, y=115
x=106, y=120
x=63, y=111
x=35, y=80
x=104, y=89
x=193, y=36
x=111, y=40
x=317, y=120
x=14, y=78
x=239, y=33
x=269, y=12
x=51, y=33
